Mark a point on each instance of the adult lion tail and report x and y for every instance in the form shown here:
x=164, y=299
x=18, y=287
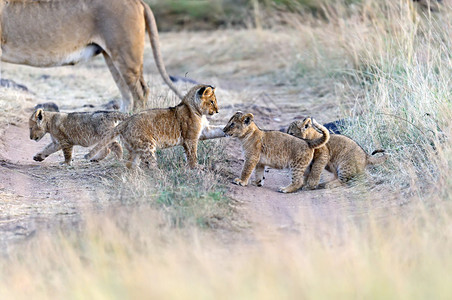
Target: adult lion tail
x=109, y=136
x=376, y=160
x=321, y=141
x=151, y=27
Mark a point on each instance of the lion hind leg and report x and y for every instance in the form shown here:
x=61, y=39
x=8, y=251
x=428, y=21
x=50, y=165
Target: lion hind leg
x=120, y=83
x=134, y=80
x=298, y=171
x=259, y=173
x=100, y=155
x=149, y=159
x=117, y=149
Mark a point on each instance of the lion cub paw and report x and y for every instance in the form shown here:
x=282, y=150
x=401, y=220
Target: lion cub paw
x=282, y=190
x=287, y=189
x=308, y=188
x=259, y=183
x=238, y=181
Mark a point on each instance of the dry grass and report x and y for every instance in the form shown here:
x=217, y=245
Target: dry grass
x=129, y=255
x=12, y=103
x=383, y=63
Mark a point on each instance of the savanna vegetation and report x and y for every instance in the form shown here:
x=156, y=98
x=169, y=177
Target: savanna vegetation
x=384, y=66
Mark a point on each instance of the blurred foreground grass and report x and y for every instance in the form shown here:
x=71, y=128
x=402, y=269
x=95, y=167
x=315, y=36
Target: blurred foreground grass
x=396, y=64
x=128, y=255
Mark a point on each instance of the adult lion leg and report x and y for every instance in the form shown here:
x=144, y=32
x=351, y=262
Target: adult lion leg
x=212, y=132
x=133, y=77
x=120, y=83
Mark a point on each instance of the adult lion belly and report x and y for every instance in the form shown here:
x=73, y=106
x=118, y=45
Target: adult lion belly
x=48, y=33
x=42, y=58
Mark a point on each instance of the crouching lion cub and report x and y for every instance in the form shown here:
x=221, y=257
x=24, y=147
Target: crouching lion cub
x=69, y=129
x=341, y=155
x=153, y=129
x=274, y=149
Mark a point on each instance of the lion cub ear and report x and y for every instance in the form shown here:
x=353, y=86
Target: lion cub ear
x=305, y=123
x=38, y=115
x=206, y=90
x=248, y=118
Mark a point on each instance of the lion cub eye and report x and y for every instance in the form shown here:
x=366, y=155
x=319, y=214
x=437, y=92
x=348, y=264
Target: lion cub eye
x=306, y=126
x=211, y=102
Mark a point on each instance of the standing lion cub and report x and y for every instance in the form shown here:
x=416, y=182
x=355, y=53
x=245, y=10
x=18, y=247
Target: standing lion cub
x=78, y=128
x=153, y=129
x=341, y=155
x=274, y=149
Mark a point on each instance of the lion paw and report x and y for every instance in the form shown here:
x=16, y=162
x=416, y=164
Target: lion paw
x=238, y=181
x=259, y=183
x=308, y=188
x=282, y=190
x=287, y=189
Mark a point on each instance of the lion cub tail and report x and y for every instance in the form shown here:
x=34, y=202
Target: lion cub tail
x=321, y=141
x=376, y=160
x=105, y=141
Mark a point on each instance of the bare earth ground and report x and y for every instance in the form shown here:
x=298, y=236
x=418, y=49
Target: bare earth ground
x=44, y=196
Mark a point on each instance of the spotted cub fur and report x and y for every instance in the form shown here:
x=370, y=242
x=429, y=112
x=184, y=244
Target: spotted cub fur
x=272, y=148
x=149, y=130
x=69, y=129
x=341, y=155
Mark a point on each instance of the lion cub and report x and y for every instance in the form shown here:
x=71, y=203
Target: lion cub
x=69, y=129
x=341, y=155
x=153, y=129
x=274, y=149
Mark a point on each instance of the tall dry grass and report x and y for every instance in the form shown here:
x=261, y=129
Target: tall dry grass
x=403, y=63
x=396, y=62
x=128, y=255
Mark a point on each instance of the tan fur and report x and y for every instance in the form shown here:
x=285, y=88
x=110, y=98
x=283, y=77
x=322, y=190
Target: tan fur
x=272, y=148
x=64, y=32
x=67, y=130
x=341, y=155
x=153, y=129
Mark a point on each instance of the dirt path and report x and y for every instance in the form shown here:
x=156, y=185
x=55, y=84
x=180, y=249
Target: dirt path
x=45, y=196
x=40, y=196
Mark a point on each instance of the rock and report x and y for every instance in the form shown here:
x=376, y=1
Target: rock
x=11, y=84
x=48, y=106
x=182, y=79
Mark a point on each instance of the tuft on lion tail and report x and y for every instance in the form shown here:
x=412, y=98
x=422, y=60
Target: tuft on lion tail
x=376, y=160
x=321, y=141
x=105, y=141
x=151, y=27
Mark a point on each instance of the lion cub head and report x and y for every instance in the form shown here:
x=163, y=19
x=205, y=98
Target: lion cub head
x=202, y=98
x=37, y=125
x=239, y=124
x=303, y=129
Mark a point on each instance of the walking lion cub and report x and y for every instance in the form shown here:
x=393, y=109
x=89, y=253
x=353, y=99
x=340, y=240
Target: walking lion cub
x=69, y=129
x=274, y=149
x=153, y=129
x=341, y=155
